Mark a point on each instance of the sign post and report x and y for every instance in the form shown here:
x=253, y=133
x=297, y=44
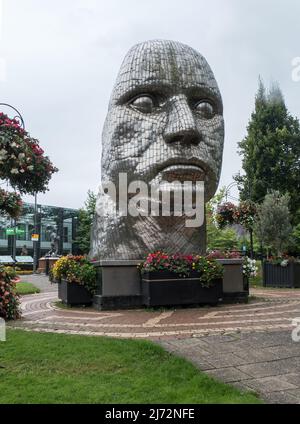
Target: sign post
x=35, y=236
x=14, y=231
x=10, y=231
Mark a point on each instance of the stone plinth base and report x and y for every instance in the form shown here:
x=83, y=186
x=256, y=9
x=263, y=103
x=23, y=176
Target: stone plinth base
x=235, y=285
x=119, y=284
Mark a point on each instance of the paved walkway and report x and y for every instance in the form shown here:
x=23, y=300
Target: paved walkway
x=249, y=346
x=266, y=362
x=40, y=281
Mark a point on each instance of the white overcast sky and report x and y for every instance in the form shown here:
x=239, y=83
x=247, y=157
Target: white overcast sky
x=61, y=58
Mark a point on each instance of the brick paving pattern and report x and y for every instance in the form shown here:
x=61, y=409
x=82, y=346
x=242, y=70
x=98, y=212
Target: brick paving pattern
x=249, y=346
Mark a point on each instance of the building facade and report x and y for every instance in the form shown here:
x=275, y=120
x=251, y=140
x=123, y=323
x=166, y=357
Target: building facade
x=45, y=221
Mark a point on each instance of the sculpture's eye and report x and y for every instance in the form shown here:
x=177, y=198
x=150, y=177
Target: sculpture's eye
x=143, y=103
x=205, y=109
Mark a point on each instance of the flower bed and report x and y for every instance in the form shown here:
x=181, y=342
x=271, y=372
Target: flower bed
x=76, y=278
x=249, y=265
x=219, y=254
x=183, y=265
x=180, y=280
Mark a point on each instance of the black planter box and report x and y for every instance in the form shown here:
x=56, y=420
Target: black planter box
x=282, y=276
x=74, y=294
x=168, y=289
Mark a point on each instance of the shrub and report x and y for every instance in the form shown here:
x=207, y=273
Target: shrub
x=9, y=299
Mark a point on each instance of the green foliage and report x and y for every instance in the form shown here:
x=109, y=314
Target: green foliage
x=294, y=245
x=272, y=226
x=85, y=220
x=209, y=269
x=75, y=270
x=217, y=238
x=271, y=151
x=65, y=369
x=9, y=299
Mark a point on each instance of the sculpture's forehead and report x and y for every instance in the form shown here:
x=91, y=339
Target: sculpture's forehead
x=167, y=64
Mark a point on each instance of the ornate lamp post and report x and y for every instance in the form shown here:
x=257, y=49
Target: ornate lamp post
x=19, y=118
x=228, y=188
x=227, y=191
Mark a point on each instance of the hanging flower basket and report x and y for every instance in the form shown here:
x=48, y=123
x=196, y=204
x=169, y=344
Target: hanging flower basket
x=243, y=214
x=225, y=214
x=22, y=160
x=10, y=204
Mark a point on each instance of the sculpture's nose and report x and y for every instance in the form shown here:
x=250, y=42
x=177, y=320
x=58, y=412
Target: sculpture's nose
x=181, y=126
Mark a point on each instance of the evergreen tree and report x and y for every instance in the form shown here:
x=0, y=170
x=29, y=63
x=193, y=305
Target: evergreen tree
x=85, y=220
x=272, y=226
x=271, y=151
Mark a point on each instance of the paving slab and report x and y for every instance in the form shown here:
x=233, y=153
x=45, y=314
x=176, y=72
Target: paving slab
x=269, y=384
x=228, y=375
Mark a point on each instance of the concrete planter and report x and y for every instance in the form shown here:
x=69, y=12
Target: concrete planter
x=235, y=284
x=282, y=276
x=168, y=289
x=119, y=285
x=73, y=294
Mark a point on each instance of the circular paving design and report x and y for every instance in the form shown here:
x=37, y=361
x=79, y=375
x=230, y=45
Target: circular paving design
x=268, y=310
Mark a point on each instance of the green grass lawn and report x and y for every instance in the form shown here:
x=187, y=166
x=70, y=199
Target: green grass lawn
x=26, y=288
x=56, y=368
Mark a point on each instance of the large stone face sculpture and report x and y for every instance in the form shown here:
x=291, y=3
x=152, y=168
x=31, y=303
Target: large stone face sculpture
x=165, y=122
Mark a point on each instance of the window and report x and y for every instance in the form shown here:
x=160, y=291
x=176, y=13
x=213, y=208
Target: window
x=66, y=235
x=22, y=235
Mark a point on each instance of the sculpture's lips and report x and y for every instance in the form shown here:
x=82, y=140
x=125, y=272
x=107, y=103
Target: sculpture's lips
x=184, y=172
x=183, y=167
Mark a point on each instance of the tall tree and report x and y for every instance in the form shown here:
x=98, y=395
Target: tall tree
x=85, y=219
x=271, y=151
x=272, y=226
